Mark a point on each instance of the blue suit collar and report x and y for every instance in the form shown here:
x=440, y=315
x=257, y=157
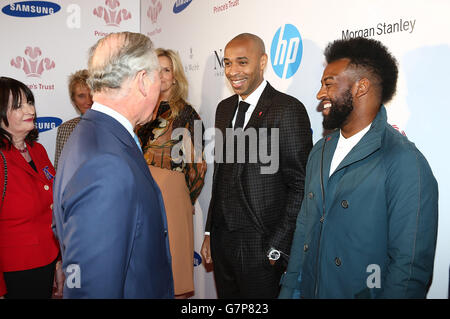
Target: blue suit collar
x=120, y=132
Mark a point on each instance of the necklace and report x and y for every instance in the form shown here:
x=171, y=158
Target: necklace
x=23, y=151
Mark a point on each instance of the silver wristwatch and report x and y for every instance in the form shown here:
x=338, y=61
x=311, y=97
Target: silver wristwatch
x=273, y=254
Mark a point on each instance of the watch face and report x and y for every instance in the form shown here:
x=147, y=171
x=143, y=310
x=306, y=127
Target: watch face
x=274, y=255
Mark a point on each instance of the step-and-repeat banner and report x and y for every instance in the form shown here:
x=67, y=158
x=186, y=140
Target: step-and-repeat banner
x=44, y=42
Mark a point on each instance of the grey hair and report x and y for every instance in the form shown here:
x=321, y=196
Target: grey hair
x=132, y=53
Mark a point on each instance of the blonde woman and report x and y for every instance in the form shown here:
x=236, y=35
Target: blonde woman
x=181, y=176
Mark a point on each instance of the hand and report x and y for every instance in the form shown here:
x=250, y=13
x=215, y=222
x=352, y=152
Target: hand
x=206, y=250
x=2, y=297
x=59, y=279
x=272, y=262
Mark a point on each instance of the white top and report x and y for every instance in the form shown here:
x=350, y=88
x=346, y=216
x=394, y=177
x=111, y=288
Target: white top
x=344, y=147
x=114, y=114
x=252, y=99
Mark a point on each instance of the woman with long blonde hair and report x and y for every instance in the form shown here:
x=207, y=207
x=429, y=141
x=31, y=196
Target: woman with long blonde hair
x=176, y=164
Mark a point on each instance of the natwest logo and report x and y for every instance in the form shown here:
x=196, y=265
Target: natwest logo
x=153, y=10
x=286, y=51
x=180, y=5
x=32, y=64
x=30, y=9
x=112, y=15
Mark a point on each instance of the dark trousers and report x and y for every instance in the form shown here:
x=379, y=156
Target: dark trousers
x=241, y=267
x=36, y=283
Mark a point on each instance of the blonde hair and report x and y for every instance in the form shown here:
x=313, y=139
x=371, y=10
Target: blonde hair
x=78, y=78
x=179, y=92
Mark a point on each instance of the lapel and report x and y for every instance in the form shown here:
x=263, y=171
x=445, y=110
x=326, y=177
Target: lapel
x=224, y=119
x=265, y=101
x=330, y=142
x=17, y=158
x=120, y=132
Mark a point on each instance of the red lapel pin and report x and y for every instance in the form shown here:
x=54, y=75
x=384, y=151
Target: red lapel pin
x=260, y=113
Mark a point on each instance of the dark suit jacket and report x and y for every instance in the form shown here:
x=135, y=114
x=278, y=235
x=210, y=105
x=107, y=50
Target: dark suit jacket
x=272, y=200
x=109, y=216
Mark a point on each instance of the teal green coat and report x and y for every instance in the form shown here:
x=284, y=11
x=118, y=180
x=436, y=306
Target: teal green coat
x=377, y=235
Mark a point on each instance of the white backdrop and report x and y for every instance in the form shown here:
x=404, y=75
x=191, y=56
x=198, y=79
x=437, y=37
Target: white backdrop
x=42, y=51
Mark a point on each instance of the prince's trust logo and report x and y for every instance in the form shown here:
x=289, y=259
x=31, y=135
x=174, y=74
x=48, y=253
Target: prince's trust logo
x=153, y=10
x=112, y=15
x=32, y=64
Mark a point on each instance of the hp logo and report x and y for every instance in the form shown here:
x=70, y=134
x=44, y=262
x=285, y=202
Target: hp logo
x=286, y=51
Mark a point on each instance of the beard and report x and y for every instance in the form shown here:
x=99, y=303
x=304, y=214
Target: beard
x=339, y=111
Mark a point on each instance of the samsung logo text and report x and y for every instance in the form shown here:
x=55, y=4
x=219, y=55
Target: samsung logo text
x=30, y=9
x=47, y=123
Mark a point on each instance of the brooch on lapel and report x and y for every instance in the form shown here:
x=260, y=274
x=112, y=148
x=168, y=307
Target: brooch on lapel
x=260, y=113
x=47, y=173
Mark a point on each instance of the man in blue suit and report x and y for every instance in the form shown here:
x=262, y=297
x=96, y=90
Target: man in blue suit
x=108, y=212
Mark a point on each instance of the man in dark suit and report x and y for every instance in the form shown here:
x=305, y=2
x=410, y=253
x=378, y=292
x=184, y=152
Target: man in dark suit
x=253, y=208
x=108, y=211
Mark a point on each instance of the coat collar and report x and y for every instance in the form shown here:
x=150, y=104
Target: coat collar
x=43, y=172
x=120, y=132
x=265, y=101
x=368, y=144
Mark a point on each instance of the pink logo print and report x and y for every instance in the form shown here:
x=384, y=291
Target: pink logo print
x=153, y=10
x=112, y=17
x=32, y=65
x=397, y=128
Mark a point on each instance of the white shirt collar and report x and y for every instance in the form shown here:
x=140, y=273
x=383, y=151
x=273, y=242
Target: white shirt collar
x=115, y=115
x=344, y=146
x=253, y=98
x=352, y=140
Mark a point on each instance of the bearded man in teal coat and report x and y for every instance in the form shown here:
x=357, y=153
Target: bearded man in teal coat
x=368, y=223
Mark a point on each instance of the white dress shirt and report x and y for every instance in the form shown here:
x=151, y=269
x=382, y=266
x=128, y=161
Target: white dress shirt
x=252, y=99
x=344, y=147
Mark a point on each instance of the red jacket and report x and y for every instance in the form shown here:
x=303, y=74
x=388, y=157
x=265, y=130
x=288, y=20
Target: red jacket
x=26, y=237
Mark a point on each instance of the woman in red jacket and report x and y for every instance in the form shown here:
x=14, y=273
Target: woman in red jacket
x=28, y=248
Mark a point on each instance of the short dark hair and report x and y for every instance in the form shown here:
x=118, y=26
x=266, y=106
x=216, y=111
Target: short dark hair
x=370, y=55
x=15, y=88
